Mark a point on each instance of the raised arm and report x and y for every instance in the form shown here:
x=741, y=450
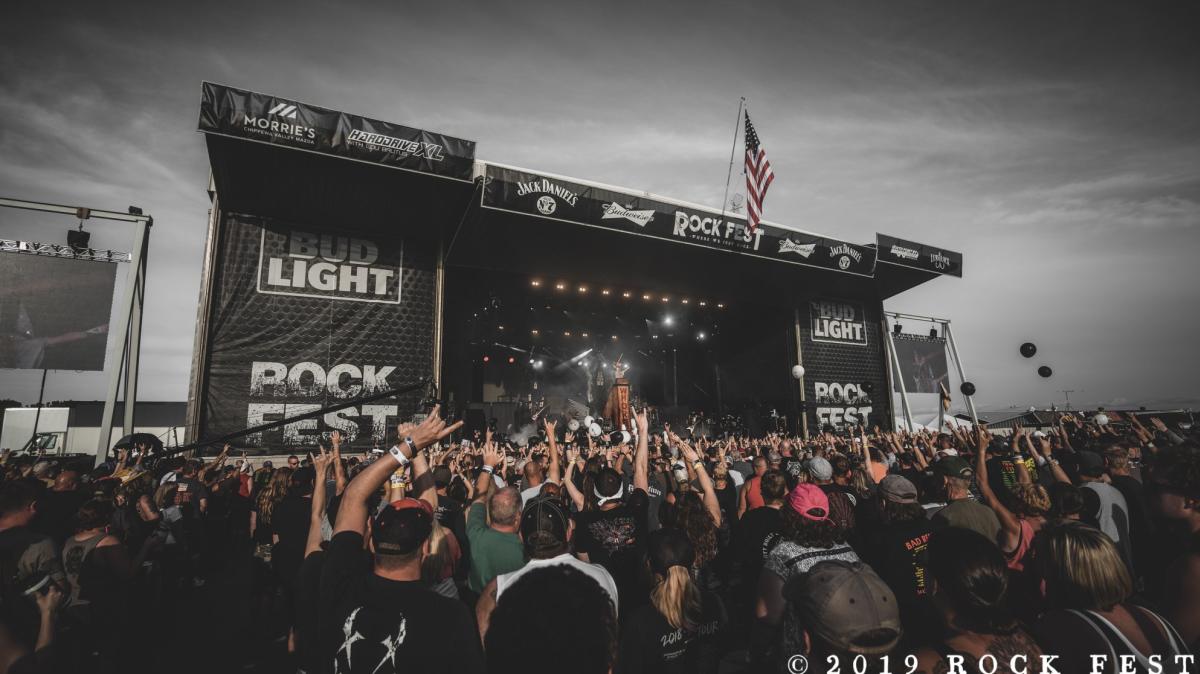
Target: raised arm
x=1010, y=527
x=316, y=513
x=339, y=470
x=555, y=471
x=641, y=456
x=710, y=495
x=569, y=483
x=352, y=514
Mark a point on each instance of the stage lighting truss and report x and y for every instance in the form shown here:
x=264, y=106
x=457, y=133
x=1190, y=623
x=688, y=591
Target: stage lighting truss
x=63, y=251
x=584, y=289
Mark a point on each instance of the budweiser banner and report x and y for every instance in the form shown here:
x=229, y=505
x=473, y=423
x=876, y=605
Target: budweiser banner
x=922, y=363
x=919, y=256
x=305, y=317
x=279, y=121
x=548, y=197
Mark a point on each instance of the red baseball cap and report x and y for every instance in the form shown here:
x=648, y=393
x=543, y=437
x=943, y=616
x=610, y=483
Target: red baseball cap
x=809, y=501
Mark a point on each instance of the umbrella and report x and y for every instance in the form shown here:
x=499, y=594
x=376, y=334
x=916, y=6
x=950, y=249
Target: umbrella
x=149, y=439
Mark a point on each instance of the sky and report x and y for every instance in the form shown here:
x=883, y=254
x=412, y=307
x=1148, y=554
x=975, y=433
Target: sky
x=1055, y=144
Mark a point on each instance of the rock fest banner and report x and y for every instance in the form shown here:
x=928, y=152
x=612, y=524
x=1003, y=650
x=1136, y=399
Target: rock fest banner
x=306, y=317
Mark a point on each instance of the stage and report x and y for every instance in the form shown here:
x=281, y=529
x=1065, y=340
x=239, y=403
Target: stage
x=347, y=255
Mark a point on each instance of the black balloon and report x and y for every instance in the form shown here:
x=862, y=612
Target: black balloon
x=1028, y=349
x=867, y=387
x=1045, y=371
x=967, y=388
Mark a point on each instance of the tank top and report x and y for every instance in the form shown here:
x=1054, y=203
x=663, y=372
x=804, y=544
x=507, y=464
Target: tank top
x=1149, y=622
x=74, y=556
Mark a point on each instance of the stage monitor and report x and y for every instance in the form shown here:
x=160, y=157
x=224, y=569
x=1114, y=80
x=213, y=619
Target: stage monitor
x=922, y=362
x=54, y=312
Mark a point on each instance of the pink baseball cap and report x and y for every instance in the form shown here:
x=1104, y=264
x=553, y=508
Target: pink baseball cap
x=809, y=501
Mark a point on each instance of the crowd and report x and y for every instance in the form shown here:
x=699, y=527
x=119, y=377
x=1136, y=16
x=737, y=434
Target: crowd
x=1072, y=550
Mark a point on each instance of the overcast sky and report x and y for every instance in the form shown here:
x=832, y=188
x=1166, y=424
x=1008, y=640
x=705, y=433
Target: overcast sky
x=1056, y=145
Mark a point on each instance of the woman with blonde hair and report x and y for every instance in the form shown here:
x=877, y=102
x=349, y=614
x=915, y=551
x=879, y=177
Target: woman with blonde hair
x=678, y=631
x=1087, y=588
x=264, y=507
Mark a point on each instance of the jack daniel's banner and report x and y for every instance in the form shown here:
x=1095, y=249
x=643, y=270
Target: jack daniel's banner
x=543, y=196
x=305, y=317
x=279, y=121
x=919, y=256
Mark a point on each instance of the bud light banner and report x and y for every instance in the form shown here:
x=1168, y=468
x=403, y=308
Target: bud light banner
x=279, y=121
x=552, y=197
x=919, y=256
x=308, y=316
x=922, y=363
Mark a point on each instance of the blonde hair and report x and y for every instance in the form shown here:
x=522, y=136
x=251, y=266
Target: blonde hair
x=273, y=493
x=1034, y=500
x=1081, y=567
x=439, y=554
x=677, y=598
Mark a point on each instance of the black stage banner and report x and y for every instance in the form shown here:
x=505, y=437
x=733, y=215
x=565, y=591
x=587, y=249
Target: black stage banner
x=838, y=322
x=922, y=362
x=304, y=317
x=845, y=368
x=919, y=256
x=245, y=114
x=543, y=196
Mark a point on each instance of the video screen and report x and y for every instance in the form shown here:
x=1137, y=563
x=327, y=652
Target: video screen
x=54, y=312
x=922, y=363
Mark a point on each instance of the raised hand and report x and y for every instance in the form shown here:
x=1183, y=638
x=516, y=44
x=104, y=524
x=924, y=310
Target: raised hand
x=491, y=455
x=432, y=429
x=321, y=462
x=551, y=425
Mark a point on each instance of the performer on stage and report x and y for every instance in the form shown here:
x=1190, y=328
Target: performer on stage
x=617, y=408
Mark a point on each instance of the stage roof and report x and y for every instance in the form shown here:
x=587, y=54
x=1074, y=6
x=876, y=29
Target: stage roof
x=278, y=158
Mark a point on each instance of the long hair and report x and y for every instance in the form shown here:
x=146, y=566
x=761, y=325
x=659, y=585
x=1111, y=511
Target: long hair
x=273, y=493
x=675, y=595
x=809, y=533
x=693, y=518
x=1081, y=567
x=440, y=555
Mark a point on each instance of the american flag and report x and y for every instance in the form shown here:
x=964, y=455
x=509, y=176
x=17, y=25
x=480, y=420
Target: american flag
x=758, y=175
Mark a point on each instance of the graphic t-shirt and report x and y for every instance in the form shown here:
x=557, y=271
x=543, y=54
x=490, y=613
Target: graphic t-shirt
x=649, y=643
x=372, y=625
x=756, y=536
x=616, y=540
x=899, y=552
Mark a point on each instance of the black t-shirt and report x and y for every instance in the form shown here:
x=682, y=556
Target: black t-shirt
x=650, y=644
x=190, y=492
x=372, y=625
x=56, y=514
x=616, y=540
x=758, y=533
x=792, y=467
x=898, y=551
x=289, y=522
x=308, y=611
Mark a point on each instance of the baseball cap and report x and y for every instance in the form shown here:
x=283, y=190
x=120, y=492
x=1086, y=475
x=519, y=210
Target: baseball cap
x=543, y=524
x=848, y=606
x=1090, y=463
x=402, y=526
x=954, y=466
x=898, y=489
x=809, y=501
x=820, y=468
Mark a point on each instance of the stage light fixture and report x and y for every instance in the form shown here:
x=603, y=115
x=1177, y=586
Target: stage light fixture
x=512, y=359
x=933, y=333
x=684, y=300
x=654, y=336
x=701, y=336
x=566, y=333
x=584, y=335
x=896, y=329
x=134, y=210
x=535, y=283
x=614, y=337
x=646, y=297
x=583, y=289
x=78, y=238
x=604, y=292
x=720, y=306
x=486, y=358
x=531, y=361
x=537, y=365
x=500, y=327
x=560, y=286
x=534, y=331
x=667, y=320
x=703, y=303
x=626, y=294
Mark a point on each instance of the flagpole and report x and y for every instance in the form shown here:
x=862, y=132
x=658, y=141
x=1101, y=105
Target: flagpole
x=732, y=152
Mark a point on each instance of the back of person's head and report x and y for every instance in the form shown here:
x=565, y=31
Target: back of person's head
x=841, y=465
x=847, y=610
x=971, y=579
x=1081, y=567
x=804, y=519
x=1176, y=470
x=552, y=618
x=17, y=496
x=773, y=486
x=190, y=468
x=400, y=531
x=532, y=472
x=1066, y=501
x=1116, y=457
x=302, y=481
x=544, y=528
x=609, y=486
x=691, y=517
x=1030, y=499
x=94, y=514
x=675, y=596
x=504, y=506
x=66, y=480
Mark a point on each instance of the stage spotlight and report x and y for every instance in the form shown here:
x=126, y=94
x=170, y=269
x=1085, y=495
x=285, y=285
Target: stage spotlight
x=134, y=210
x=501, y=327
x=604, y=292
x=684, y=300
x=537, y=365
x=626, y=294
x=646, y=297
x=896, y=329
x=486, y=358
x=667, y=320
x=720, y=306
x=584, y=335
x=534, y=331
x=535, y=283
x=701, y=336
x=583, y=289
x=531, y=361
x=666, y=299
x=560, y=286
x=566, y=333
x=933, y=333
x=654, y=336
x=614, y=338
x=703, y=303
x=512, y=359
x=77, y=238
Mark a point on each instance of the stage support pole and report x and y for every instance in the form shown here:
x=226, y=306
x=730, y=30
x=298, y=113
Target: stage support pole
x=119, y=342
x=135, y=341
x=894, y=367
x=37, y=417
x=962, y=377
x=439, y=308
x=197, y=382
x=800, y=381
x=675, y=375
